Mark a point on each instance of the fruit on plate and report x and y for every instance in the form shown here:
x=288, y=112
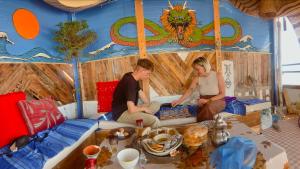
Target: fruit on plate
x=157, y=147
x=195, y=136
x=121, y=133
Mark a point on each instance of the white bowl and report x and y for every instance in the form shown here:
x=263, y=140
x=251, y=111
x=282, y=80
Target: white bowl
x=128, y=158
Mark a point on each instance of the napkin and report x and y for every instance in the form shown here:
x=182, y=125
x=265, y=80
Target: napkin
x=237, y=153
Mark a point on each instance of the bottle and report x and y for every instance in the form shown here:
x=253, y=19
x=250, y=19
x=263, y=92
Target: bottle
x=139, y=123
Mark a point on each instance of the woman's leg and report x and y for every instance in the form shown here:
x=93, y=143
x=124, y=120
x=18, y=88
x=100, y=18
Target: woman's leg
x=207, y=111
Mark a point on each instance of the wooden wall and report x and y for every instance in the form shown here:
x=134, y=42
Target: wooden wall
x=38, y=80
x=172, y=74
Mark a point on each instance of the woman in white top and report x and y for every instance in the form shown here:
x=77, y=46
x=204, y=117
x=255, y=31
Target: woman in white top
x=211, y=88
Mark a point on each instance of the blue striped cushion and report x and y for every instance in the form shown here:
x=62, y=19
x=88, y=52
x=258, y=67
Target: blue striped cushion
x=35, y=154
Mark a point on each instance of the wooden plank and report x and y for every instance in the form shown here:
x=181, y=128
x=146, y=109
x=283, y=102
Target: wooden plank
x=217, y=31
x=139, y=13
x=37, y=79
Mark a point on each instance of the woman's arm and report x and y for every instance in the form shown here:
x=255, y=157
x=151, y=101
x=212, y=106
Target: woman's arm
x=187, y=93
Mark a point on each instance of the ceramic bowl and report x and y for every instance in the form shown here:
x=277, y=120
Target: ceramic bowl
x=128, y=158
x=161, y=138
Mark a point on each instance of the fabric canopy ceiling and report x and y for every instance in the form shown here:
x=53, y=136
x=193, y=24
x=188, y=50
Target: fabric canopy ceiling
x=74, y=5
x=272, y=8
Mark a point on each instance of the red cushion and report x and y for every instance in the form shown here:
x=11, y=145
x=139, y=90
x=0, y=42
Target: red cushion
x=12, y=124
x=40, y=114
x=105, y=91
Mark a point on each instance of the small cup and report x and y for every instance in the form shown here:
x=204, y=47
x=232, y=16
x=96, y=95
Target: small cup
x=91, y=151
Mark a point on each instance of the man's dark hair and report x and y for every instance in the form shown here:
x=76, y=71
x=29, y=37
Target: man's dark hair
x=146, y=64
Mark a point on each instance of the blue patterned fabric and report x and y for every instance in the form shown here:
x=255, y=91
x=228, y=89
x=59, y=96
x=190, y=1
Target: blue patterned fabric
x=251, y=101
x=35, y=154
x=233, y=106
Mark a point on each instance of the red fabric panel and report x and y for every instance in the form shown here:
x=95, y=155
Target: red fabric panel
x=12, y=124
x=105, y=91
x=40, y=114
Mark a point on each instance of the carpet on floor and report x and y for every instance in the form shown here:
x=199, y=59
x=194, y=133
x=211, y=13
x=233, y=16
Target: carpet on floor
x=289, y=138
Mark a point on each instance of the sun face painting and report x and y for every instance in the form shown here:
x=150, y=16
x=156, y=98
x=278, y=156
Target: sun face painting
x=26, y=23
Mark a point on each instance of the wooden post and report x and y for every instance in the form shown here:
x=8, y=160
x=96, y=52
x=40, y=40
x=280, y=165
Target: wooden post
x=139, y=13
x=217, y=30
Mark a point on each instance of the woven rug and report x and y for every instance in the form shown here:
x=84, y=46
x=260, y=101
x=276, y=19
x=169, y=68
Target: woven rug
x=288, y=138
x=167, y=113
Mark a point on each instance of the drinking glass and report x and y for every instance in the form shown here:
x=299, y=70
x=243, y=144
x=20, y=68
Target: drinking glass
x=113, y=142
x=142, y=160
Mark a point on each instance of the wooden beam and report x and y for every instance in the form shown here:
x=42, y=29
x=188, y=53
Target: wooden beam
x=217, y=30
x=139, y=13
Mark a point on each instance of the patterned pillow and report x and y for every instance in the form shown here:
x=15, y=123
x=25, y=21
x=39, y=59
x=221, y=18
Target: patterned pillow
x=40, y=114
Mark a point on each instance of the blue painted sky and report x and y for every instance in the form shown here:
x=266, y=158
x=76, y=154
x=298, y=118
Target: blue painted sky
x=259, y=29
x=47, y=16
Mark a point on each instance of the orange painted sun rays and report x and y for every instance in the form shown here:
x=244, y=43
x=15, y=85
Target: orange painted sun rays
x=26, y=23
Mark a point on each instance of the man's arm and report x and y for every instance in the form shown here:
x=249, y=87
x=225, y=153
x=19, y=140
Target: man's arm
x=132, y=108
x=144, y=98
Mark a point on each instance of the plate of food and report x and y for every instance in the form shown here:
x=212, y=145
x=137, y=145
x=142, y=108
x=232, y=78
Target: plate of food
x=123, y=132
x=160, y=149
x=163, y=130
x=162, y=141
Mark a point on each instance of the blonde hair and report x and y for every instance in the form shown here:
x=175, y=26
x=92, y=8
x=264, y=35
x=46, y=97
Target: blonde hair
x=202, y=61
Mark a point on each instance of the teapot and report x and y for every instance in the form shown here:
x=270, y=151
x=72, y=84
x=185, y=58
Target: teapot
x=220, y=123
x=220, y=137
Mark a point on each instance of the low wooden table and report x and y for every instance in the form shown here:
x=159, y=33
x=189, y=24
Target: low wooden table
x=271, y=155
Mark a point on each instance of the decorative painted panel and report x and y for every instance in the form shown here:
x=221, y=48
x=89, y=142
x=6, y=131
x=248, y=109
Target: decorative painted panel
x=176, y=26
x=228, y=74
x=26, y=31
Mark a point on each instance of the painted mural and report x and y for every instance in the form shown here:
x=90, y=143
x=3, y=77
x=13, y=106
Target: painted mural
x=178, y=25
x=26, y=28
x=175, y=25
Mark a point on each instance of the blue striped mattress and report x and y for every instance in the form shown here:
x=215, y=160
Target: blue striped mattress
x=35, y=154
